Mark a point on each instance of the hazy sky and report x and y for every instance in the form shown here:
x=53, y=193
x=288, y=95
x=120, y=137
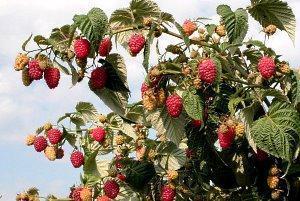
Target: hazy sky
x=23, y=109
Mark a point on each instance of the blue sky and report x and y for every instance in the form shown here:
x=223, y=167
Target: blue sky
x=23, y=109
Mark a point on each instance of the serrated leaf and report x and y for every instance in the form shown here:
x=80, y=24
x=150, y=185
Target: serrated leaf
x=86, y=110
x=77, y=119
x=93, y=25
x=166, y=17
x=278, y=132
x=264, y=93
x=274, y=12
x=164, y=124
x=210, y=28
x=294, y=92
x=182, y=33
x=171, y=157
x=71, y=138
x=117, y=73
x=39, y=130
x=26, y=42
x=91, y=173
x=233, y=103
x=236, y=23
x=61, y=67
x=40, y=40
x=193, y=105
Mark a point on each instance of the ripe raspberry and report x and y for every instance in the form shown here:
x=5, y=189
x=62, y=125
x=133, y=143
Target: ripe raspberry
x=136, y=43
x=174, y=105
x=196, y=123
x=105, y=47
x=98, y=134
x=30, y=140
x=103, y=198
x=60, y=153
x=77, y=159
x=50, y=153
x=75, y=194
x=40, y=143
x=167, y=193
x=111, y=189
x=21, y=61
x=86, y=194
x=226, y=138
x=54, y=136
x=25, y=77
x=35, y=72
x=189, y=27
x=144, y=88
x=82, y=48
x=207, y=71
x=266, y=67
x=121, y=176
x=99, y=78
x=52, y=76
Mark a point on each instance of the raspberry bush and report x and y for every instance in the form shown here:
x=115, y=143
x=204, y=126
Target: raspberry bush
x=219, y=116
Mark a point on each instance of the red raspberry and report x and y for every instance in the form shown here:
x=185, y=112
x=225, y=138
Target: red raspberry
x=98, y=134
x=111, y=189
x=121, y=176
x=144, y=88
x=60, y=153
x=196, y=123
x=82, y=48
x=105, y=47
x=136, y=43
x=103, y=198
x=226, y=138
x=35, y=72
x=40, y=143
x=167, y=193
x=77, y=159
x=75, y=194
x=261, y=155
x=54, y=136
x=52, y=76
x=99, y=78
x=207, y=71
x=189, y=27
x=266, y=67
x=174, y=105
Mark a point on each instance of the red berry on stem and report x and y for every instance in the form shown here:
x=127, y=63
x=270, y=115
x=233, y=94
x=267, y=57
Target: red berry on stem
x=136, y=43
x=105, y=47
x=98, y=134
x=34, y=70
x=82, y=48
x=167, y=193
x=77, y=159
x=40, y=143
x=266, y=67
x=174, y=105
x=54, y=136
x=52, y=77
x=226, y=138
x=99, y=78
x=111, y=189
x=207, y=71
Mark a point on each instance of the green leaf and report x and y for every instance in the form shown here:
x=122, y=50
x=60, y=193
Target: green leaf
x=233, y=103
x=193, y=105
x=144, y=8
x=164, y=124
x=91, y=173
x=26, y=42
x=278, y=132
x=59, y=39
x=294, y=92
x=167, y=17
x=117, y=73
x=274, y=12
x=182, y=33
x=264, y=93
x=61, y=67
x=236, y=23
x=147, y=48
x=71, y=138
x=170, y=156
x=87, y=111
x=93, y=25
x=139, y=173
x=39, y=130
x=40, y=40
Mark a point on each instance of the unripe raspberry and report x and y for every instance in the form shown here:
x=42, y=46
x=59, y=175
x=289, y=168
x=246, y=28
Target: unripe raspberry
x=86, y=194
x=22, y=197
x=44, y=61
x=272, y=182
x=77, y=159
x=52, y=77
x=266, y=67
x=151, y=154
x=172, y=174
x=103, y=198
x=274, y=171
x=240, y=129
x=47, y=126
x=98, y=134
x=50, y=153
x=189, y=27
x=30, y=140
x=207, y=71
x=197, y=83
x=102, y=118
x=167, y=193
x=136, y=43
x=221, y=30
x=111, y=189
x=35, y=72
x=105, y=47
x=161, y=97
x=275, y=194
x=82, y=48
x=119, y=139
x=147, y=21
x=40, y=143
x=54, y=136
x=144, y=88
x=149, y=100
x=99, y=77
x=270, y=30
x=285, y=68
x=174, y=105
x=21, y=61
